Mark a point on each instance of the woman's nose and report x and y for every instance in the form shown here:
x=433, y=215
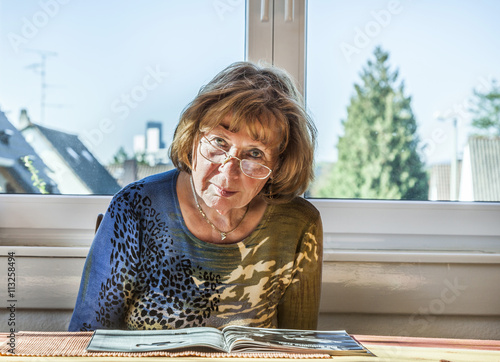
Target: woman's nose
x=228, y=158
x=230, y=167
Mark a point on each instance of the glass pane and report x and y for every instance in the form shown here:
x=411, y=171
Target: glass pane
x=406, y=97
x=91, y=91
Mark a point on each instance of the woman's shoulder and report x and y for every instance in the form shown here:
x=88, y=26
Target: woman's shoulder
x=152, y=182
x=300, y=208
x=149, y=187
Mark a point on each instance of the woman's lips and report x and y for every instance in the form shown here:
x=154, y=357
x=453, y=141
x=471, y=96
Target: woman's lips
x=224, y=192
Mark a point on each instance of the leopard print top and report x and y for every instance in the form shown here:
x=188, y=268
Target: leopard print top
x=146, y=270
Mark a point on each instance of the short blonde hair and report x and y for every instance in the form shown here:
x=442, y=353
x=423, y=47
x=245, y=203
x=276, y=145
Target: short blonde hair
x=265, y=102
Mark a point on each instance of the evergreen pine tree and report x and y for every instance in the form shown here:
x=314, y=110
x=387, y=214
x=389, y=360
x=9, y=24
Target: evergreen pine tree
x=486, y=110
x=377, y=155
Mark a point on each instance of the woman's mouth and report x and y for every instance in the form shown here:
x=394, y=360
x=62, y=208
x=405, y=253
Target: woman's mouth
x=224, y=192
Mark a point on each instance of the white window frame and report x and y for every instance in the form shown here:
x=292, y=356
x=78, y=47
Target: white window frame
x=395, y=230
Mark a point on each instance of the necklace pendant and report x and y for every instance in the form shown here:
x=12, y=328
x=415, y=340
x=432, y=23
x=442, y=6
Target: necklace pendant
x=223, y=236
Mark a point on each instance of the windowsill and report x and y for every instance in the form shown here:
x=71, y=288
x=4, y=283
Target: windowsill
x=352, y=228
x=330, y=256
x=403, y=256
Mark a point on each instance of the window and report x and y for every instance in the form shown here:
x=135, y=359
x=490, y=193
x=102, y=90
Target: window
x=94, y=108
x=422, y=122
x=87, y=86
x=385, y=224
x=376, y=245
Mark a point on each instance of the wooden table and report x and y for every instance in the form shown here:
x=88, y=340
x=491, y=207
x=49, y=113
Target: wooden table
x=386, y=348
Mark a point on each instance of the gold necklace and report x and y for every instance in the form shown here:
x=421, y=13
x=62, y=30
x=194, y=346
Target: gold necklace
x=223, y=234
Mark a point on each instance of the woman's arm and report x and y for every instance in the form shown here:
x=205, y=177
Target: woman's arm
x=109, y=275
x=299, y=307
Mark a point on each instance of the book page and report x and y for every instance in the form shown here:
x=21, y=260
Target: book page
x=105, y=340
x=247, y=339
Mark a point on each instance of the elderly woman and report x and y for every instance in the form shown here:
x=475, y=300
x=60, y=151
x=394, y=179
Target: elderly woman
x=224, y=238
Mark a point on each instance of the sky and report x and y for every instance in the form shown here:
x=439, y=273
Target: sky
x=442, y=48
x=113, y=65
x=119, y=64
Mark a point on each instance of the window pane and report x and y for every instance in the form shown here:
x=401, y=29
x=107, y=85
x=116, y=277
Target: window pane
x=406, y=98
x=91, y=91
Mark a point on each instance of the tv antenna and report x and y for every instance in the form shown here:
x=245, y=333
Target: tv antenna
x=41, y=69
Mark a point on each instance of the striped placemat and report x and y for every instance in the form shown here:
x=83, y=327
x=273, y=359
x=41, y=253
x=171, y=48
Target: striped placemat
x=72, y=344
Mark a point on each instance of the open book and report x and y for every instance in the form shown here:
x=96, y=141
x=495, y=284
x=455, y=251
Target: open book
x=236, y=339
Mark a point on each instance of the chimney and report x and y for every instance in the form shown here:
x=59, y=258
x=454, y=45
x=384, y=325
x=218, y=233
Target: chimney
x=24, y=120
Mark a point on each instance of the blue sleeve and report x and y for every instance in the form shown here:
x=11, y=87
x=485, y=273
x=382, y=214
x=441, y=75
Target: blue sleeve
x=110, y=273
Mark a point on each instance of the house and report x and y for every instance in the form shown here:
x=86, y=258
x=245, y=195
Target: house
x=73, y=167
x=131, y=170
x=481, y=170
x=440, y=183
x=15, y=177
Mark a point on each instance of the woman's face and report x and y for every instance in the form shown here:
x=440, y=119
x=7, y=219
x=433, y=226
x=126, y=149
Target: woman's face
x=224, y=186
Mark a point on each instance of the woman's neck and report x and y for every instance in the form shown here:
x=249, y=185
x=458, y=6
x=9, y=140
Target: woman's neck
x=210, y=224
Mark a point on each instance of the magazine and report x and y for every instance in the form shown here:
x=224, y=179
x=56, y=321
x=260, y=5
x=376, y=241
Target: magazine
x=231, y=339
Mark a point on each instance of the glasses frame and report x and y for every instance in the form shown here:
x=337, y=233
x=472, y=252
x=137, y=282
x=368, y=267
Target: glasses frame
x=229, y=156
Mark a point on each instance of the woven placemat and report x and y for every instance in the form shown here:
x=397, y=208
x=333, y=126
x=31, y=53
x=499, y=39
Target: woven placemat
x=72, y=344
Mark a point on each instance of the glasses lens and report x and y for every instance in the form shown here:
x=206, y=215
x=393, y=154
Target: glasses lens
x=217, y=155
x=254, y=169
x=212, y=153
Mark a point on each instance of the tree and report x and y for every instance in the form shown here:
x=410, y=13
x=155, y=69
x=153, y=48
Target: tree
x=377, y=155
x=485, y=110
x=120, y=156
x=38, y=182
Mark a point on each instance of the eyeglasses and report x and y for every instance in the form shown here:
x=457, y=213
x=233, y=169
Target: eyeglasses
x=217, y=155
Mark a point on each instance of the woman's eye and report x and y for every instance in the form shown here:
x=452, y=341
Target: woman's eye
x=219, y=142
x=257, y=154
